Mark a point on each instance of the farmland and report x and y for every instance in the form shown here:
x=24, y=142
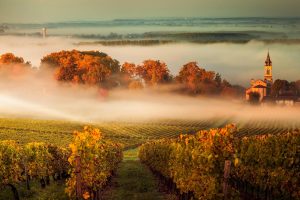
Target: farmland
x=129, y=134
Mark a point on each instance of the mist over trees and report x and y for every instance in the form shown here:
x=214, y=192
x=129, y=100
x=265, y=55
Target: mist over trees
x=83, y=67
x=196, y=80
x=96, y=68
x=13, y=66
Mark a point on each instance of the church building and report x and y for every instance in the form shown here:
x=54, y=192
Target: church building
x=262, y=87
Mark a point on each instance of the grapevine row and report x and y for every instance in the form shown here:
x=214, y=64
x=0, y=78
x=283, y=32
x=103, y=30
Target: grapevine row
x=269, y=163
x=195, y=163
x=98, y=159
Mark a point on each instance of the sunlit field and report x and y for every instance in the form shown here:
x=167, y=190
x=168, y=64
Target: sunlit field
x=129, y=134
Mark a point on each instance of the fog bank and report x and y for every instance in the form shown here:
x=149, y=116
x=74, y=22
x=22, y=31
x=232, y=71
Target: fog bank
x=38, y=95
x=237, y=63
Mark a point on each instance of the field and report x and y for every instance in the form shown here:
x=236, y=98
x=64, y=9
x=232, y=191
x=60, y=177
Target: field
x=128, y=133
x=131, y=135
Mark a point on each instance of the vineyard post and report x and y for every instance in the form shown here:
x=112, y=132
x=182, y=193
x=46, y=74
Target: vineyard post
x=226, y=177
x=27, y=178
x=78, y=177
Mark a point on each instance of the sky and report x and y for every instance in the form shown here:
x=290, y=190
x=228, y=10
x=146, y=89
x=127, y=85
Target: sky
x=38, y=11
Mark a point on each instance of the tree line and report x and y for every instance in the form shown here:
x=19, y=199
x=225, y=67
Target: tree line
x=99, y=69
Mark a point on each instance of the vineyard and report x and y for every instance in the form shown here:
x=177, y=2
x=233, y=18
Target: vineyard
x=86, y=165
x=35, y=153
x=198, y=166
x=127, y=133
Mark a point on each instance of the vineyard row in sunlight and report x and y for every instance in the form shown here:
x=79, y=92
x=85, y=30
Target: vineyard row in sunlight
x=196, y=164
x=128, y=133
x=86, y=165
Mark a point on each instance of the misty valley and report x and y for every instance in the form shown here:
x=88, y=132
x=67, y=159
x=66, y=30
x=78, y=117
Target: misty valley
x=150, y=109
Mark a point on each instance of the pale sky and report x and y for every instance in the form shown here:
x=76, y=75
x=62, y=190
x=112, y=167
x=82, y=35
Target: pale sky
x=35, y=11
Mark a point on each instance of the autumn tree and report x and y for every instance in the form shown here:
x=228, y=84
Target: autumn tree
x=279, y=86
x=13, y=66
x=129, y=69
x=135, y=85
x=83, y=67
x=10, y=58
x=128, y=73
x=154, y=72
x=196, y=79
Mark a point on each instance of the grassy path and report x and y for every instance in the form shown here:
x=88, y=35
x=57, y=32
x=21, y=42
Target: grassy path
x=133, y=181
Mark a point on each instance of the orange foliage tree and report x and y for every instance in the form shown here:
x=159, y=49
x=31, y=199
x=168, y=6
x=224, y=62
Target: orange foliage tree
x=128, y=73
x=195, y=79
x=10, y=58
x=84, y=67
x=13, y=64
x=154, y=72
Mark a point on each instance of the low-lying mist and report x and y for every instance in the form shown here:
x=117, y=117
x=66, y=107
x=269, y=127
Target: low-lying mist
x=37, y=95
x=237, y=63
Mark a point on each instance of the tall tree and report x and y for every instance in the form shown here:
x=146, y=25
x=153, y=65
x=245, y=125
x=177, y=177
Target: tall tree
x=278, y=87
x=196, y=79
x=85, y=67
x=154, y=72
x=128, y=73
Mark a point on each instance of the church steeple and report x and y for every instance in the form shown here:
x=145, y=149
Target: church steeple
x=268, y=70
x=268, y=61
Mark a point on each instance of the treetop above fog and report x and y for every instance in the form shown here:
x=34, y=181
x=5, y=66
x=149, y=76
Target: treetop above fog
x=11, y=59
x=99, y=69
x=13, y=66
x=87, y=67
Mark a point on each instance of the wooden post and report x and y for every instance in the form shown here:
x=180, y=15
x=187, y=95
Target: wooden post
x=226, y=177
x=78, y=177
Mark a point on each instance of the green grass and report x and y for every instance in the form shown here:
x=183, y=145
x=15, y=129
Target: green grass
x=133, y=181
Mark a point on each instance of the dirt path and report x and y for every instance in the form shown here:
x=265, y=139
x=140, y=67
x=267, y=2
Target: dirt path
x=133, y=181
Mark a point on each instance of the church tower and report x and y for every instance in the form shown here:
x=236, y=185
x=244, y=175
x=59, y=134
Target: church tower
x=268, y=70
